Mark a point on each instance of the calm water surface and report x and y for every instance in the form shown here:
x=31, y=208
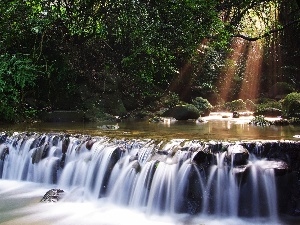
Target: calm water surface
x=214, y=127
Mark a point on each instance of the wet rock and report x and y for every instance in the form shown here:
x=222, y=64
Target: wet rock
x=133, y=157
x=3, y=138
x=5, y=151
x=65, y=144
x=53, y=195
x=40, y=153
x=36, y=155
x=62, y=161
x=115, y=156
x=241, y=173
x=237, y=155
x=89, y=144
x=136, y=166
x=203, y=157
x=55, y=140
x=280, y=168
x=235, y=114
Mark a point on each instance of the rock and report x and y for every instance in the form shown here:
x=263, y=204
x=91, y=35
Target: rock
x=183, y=112
x=53, y=195
x=65, y=144
x=3, y=138
x=89, y=144
x=109, y=127
x=280, y=167
x=235, y=114
x=202, y=157
x=136, y=166
x=5, y=151
x=237, y=155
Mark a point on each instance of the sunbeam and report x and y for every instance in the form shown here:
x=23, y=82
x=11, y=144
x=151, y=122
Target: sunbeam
x=183, y=81
x=251, y=80
x=238, y=47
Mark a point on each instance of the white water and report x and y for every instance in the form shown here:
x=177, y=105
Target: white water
x=116, y=183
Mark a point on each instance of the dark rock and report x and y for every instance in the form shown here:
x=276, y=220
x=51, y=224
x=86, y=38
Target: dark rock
x=183, y=112
x=36, y=155
x=39, y=141
x=89, y=144
x=235, y=114
x=62, y=160
x=55, y=140
x=241, y=173
x=115, y=156
x=134, y=157
x=53, y=195
x=65, y=144
x=3, y=138
x=45, y=151
x=4, y=152
x=136, y=166
x=237, y=155
x=202, y=157
x=280, y=168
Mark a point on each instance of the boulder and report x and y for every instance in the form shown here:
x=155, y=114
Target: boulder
x=237, y=155
x=183, y=112
x=53, y=195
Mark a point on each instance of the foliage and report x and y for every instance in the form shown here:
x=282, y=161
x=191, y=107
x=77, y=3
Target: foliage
x=268, y=107
x=291, y=105
x=170, y=100
x=260, y=121
x=17, y=77
x=294, y=120
x=202, y=105
x=144, y=47
x=235, y=105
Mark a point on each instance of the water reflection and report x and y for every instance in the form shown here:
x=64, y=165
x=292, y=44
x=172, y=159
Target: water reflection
x=212, y=127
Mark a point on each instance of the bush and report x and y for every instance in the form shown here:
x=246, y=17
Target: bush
x=268, y=107
x=170, y=100
x=202, y=105
x=291, y=105
x=260, y=121
x=235, y=105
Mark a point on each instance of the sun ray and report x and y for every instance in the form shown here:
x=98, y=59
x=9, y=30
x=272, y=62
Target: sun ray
x=238, y=47
x=251, y=81
x=183, y=81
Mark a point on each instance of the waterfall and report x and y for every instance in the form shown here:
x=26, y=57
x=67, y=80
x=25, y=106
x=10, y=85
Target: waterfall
x=173, y=177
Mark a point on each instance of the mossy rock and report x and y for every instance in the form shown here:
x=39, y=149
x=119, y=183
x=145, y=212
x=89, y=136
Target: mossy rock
x=183, y=112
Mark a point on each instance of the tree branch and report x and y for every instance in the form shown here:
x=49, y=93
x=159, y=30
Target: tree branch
x=267, y=34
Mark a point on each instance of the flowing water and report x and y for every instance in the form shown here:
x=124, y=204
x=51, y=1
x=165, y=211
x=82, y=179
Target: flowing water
x=109, y=181
x=139, y=174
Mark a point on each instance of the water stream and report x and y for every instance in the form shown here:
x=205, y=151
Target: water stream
x=135, y=181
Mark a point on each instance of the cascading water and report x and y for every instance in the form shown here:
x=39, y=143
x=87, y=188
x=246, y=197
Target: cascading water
x=177, y=177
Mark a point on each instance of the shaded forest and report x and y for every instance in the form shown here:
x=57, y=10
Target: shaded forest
x=119, y=56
